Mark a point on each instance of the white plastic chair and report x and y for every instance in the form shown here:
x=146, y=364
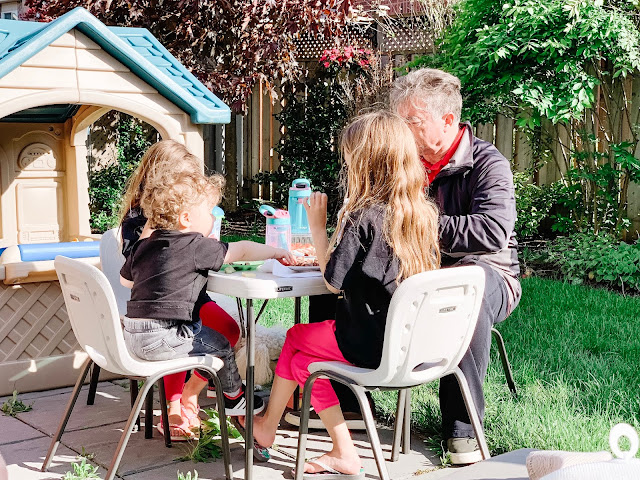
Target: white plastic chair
x=111, y=261
x=93, y=313
x=430, y=323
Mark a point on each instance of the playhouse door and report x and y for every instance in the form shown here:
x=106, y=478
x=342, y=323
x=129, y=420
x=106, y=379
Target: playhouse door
x=40, y=198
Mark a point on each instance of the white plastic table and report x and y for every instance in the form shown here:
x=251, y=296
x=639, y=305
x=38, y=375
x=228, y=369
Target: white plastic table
x=263, y=286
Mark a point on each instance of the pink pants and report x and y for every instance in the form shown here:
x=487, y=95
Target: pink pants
x=306, y=344
x=214, y=317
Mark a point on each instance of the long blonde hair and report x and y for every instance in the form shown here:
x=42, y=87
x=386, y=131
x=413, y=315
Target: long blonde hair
x=381, y=167
x=164, y=157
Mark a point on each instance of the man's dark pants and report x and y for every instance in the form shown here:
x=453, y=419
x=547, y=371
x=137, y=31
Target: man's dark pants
x=494, y=309
x=455, y=420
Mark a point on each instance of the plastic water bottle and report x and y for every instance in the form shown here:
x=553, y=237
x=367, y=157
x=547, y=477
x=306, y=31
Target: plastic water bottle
x=278, y=231
x=299, y=193
x=218, y=215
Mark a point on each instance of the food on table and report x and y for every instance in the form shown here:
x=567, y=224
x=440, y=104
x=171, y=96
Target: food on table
x=305, y=254
x=229, y=269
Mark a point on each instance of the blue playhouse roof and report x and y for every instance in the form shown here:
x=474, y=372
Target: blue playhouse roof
x=136, y=48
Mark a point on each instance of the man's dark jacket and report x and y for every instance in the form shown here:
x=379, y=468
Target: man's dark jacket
x=475, y=194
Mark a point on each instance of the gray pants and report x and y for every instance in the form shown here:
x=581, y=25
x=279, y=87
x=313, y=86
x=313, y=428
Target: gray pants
x=494, y=309
x=156, y=340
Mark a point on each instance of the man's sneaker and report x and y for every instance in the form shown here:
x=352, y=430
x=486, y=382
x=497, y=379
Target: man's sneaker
x=235, y=407
x=354, y=421
x=211, y=392
x=464, y=451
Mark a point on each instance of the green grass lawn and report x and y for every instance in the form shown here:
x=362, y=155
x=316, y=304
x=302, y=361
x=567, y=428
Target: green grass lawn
x=574, y=352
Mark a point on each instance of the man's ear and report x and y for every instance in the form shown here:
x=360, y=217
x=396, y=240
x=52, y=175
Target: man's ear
x=449, y=120
x=184, y=219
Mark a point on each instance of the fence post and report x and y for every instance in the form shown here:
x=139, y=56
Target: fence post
x=230, y=201
x=504, y=136
x=485, y=131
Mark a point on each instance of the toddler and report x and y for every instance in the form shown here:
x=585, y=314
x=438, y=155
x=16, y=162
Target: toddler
x=169, y=157
x=167, y=271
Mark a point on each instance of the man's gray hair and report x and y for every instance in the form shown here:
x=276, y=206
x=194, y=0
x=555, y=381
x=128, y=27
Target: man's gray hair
x=428, y=89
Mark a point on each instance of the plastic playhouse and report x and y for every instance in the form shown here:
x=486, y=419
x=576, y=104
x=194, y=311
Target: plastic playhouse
x=56, y=79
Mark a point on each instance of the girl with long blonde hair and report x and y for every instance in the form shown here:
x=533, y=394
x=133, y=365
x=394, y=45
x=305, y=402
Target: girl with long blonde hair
x=387, y=231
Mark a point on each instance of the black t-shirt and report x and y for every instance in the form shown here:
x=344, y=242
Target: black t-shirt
x=132, y=226
x=364, y=268
x=169, y=270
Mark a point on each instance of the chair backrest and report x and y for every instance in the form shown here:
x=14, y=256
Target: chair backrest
x=111, y=260
x=430, y=323
x=92, y=310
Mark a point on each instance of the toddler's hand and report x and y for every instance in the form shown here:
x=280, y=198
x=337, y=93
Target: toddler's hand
x=317, y=211
x=285, y=257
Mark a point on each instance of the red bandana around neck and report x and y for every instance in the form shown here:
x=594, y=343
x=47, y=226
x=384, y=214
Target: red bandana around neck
x=434, y=169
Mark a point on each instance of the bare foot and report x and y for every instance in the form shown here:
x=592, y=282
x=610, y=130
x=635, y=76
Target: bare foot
x=347, y=465
x=191, y=416
x=261, y=432
x=179, y=427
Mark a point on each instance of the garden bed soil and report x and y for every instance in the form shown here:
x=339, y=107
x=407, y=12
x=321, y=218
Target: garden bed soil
x=243, y=222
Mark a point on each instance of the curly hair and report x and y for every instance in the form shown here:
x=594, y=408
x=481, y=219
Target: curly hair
x=168, y=194
x=166, y=156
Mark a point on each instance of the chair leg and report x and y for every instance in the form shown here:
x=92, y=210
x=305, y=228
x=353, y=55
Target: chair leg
x=93, y=384
x=367, y=415
x=55, y=441
x=370, y=423
x=133, y=394
x=124, y=439
x=473, y=413
x=243, y=329
x=303, y=429
x=406, y=430
x=164, y=413
x=148, y=415
x=505, y=361
x=222, y=416
x=398, y=427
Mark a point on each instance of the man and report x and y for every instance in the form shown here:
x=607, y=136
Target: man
x=472, y=184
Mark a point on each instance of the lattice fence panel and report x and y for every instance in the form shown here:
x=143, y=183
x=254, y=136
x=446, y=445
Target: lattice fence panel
x=34, y=322
x=311, y=48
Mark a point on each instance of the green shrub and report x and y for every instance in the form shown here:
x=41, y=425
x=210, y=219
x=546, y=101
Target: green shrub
x=107, y=184
x=534, y=205
x=592, y=258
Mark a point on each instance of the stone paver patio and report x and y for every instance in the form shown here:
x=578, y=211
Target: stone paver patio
x=24, y=441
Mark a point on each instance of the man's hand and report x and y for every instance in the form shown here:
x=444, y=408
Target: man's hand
x=317, y=211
